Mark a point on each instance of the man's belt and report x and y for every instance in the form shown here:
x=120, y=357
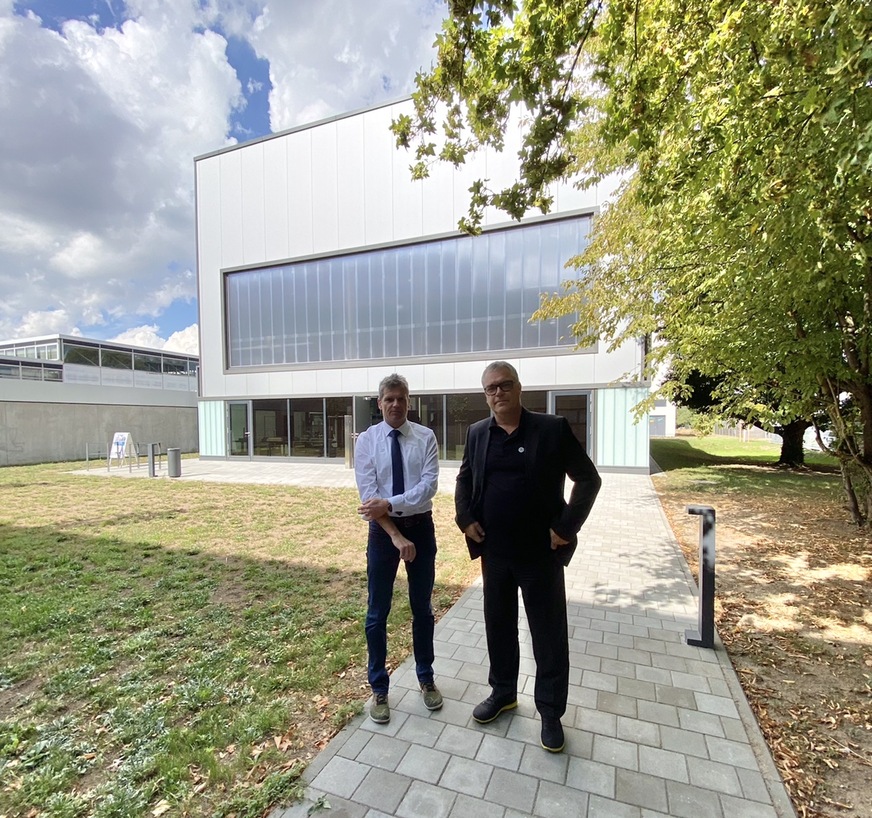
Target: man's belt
x=412, y=519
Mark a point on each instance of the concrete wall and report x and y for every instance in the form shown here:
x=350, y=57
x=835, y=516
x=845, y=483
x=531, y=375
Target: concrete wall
x=49, y=432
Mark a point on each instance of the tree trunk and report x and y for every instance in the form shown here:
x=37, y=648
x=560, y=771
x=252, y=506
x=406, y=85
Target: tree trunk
x=792, y=452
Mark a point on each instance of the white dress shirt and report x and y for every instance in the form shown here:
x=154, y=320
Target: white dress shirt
x=372, y=467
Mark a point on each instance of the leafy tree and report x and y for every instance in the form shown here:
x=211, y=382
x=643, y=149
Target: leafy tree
x=741, y=240
x=707, y=396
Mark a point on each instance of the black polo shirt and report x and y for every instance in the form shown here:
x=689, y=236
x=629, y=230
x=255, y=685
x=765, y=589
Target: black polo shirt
x=508, y=516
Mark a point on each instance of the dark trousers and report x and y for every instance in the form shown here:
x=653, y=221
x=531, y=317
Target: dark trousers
x=382, y=561
x=544, y=592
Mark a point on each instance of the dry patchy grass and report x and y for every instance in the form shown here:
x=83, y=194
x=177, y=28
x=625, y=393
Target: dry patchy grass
x=794, y=609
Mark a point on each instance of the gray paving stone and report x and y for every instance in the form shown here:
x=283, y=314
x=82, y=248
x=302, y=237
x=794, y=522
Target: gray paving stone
x=425, y=799
x=734, y=753
x=357, y=740
x=640, y=790
x=664, y=764
x=465, y=807
x=706, y=723
x=596, y=722
x=653, y=674
x=340, y=777
x=680, y=741
x=466, y=776
x=659, y=713
x=513, y=790
x=624, y=754
x=591, y=776
x=545, y=766
x=421, y=730
x=637, y=689
x=641, y=732
x=500, y=752
x=719, y=705
x=605, y=808
x=383, y=751
x=739, y=808
x=382, y=790
x=714, y=776
x=754, y=785
x=620, y=705
x=616, y=667
x=675, y=696
x=556, y=801
x=423, y=764
x=692, y=802
x=459, y=741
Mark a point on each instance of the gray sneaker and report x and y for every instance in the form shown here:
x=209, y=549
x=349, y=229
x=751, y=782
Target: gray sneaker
x=431, y=695
x=379, y=711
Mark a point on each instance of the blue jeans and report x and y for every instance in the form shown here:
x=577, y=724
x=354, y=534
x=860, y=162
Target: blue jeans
x=382, y=561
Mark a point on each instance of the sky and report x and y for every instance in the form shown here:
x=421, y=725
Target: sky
x=104, y=104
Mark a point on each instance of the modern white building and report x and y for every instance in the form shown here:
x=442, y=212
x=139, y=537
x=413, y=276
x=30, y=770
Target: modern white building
x=61, y=393
x=322, y=267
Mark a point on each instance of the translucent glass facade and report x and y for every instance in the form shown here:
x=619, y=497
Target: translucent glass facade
x=446, y=297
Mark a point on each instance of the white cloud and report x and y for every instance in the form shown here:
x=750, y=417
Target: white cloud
x=186, y=340
x=101, y=125
x=148, y=335
x=339, y=55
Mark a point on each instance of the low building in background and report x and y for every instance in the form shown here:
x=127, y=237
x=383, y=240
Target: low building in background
x=61, y=395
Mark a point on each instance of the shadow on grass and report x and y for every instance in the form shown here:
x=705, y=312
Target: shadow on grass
x=133, y=673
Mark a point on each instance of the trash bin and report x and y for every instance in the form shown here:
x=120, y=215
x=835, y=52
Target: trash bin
x=174, y=462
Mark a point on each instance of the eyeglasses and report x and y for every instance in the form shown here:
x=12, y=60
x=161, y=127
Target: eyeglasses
x=503, y=386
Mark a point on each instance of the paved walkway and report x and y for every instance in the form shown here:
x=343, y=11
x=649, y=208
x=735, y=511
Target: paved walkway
x=654, y=727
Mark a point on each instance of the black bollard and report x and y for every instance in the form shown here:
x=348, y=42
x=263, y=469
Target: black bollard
x=705, y=636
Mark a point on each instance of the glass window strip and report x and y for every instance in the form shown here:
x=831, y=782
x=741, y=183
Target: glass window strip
x=460, y=295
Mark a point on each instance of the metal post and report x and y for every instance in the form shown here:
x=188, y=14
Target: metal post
x=151, y=450
x=705, y=636
x=349, y=441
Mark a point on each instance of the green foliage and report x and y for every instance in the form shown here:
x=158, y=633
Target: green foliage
x=741, y=240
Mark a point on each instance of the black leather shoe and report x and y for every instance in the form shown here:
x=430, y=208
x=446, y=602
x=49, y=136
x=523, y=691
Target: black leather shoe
x=491, y=707
x=552, y=735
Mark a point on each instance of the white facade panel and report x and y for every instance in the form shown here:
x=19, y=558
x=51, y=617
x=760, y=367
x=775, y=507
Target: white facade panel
x=301, y=240
x=574, y=370
x=257, y=384
x=537, y=373
x=408, y=200
x=325, y=190
x=378, y=175
x=354, y=381
x=305, y=382
x=254, y=206
x=350, y=181
x=330, y=381
x=230, y=203
x=275, y=170
x=438, y=378
x=438, y=213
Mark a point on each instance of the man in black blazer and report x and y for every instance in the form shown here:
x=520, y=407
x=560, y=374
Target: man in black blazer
x=510, y=505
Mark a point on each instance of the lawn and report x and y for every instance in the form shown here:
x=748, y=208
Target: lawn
x=793, y=607
x=181, y=648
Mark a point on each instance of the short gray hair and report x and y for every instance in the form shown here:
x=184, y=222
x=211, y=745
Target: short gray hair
x=393, y=381
x=501, y=366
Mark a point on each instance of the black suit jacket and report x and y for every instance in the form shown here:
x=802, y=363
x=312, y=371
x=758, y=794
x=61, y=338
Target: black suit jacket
x=552, y=453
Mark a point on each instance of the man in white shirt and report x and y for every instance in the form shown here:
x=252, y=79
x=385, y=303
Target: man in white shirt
x=396, y=465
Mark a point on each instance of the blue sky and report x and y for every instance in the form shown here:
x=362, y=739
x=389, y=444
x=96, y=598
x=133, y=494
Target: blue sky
x=106, y=103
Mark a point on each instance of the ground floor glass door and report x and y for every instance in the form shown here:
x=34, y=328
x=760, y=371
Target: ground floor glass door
x=575, y=407
x=238, y=429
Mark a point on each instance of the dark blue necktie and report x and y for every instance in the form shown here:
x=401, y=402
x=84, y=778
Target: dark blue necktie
x=399, y=483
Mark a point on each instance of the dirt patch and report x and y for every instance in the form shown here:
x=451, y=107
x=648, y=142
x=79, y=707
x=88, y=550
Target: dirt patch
x=794, y=609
